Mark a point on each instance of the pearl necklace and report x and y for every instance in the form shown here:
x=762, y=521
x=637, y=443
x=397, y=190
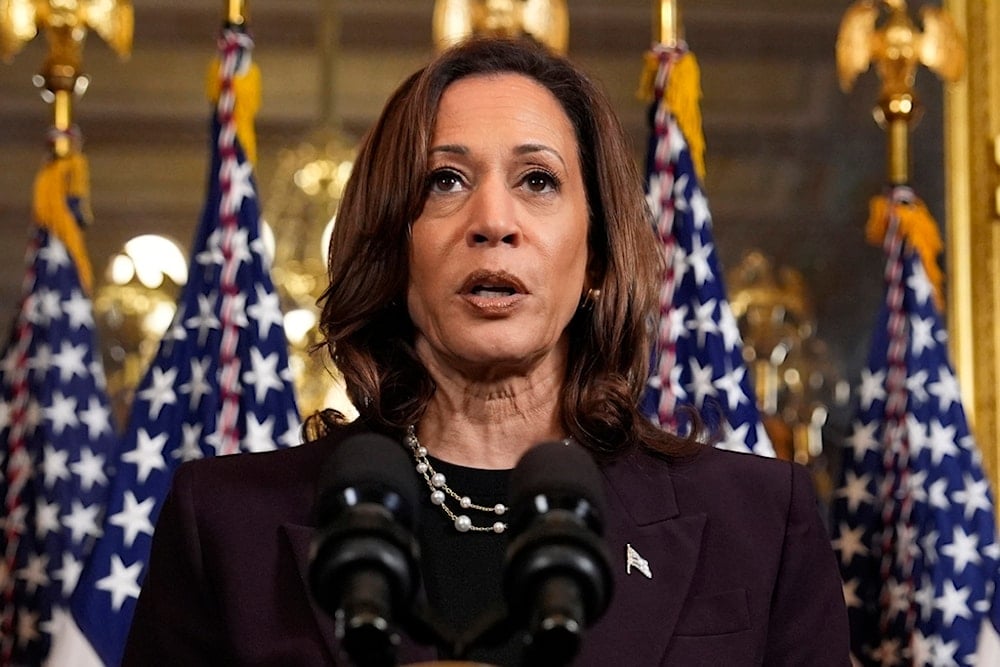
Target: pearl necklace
x=440, y=491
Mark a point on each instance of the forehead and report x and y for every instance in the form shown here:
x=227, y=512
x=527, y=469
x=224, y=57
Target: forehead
x=497, y=104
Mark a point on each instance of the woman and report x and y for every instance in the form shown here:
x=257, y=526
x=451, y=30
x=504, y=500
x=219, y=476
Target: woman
x=492, y=276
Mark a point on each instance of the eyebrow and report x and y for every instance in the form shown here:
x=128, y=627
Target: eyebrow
x=523, y=149
x=450, y=148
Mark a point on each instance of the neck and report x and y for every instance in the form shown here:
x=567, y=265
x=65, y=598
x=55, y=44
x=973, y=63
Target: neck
x=490, y=423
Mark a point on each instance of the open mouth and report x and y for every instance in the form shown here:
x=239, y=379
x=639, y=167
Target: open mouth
x=492, y=285
x=493, y=291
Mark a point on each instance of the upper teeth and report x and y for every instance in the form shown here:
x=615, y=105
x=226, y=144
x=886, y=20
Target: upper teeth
x=493, y=291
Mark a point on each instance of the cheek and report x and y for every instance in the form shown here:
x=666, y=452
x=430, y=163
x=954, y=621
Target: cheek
x=426, y=278
x=568, y=273
x=421, y=258
x=573, y=253
x=430, y=246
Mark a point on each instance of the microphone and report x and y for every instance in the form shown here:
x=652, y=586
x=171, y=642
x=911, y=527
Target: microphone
x=557, y=572
x=363, y=567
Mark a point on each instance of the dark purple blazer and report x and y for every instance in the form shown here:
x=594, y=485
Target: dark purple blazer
x=742, y=568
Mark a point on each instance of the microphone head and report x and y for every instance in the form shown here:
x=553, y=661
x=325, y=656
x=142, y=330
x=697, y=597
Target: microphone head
x=368, y=467
x=364, y=557
x=557, y=572
x=557, y=472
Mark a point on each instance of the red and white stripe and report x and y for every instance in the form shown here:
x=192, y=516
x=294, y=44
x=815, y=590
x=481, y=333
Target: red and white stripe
x=235, y=46
x=897, y=532
x=19, y=467
x=661, y=180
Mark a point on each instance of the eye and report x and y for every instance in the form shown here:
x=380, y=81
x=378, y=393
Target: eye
x=540, y=181
x=445, y=180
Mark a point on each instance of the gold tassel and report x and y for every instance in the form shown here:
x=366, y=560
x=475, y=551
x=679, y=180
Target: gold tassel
x=647, y=80
x=58, y=180
x=683, y=98
x=247, y=90
x=684, y=101
x=918, y=228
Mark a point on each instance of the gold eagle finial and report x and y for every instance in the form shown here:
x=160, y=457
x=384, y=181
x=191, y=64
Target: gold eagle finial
x=898, y=47
x=65, y=23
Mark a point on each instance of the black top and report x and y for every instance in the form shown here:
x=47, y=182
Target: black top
x=462, y=571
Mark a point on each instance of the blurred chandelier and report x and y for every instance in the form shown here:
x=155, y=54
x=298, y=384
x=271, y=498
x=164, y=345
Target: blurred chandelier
x=133, y=306
x=300, y=210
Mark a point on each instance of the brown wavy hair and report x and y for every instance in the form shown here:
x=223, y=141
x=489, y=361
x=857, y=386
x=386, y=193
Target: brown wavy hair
x=366, y=326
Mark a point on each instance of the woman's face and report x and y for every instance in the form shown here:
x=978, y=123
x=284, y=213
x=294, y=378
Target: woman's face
x=498, y=255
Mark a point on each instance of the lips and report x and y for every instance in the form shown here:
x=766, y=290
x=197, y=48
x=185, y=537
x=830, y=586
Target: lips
x=492, y=293
x=492, y=284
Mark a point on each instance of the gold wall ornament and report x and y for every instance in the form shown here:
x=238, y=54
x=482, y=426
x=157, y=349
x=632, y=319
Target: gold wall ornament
x=545, y=20
x=797, y=384
x=897, y=48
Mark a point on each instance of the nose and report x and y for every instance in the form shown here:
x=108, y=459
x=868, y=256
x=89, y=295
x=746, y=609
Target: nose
x=493, y=216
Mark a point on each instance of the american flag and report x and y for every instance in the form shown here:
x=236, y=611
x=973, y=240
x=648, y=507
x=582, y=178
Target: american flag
x=219, y=383
x=914, y=521
x=56, y=434
x=698, y=359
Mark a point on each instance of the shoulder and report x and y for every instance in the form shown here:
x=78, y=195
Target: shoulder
x=731, y=482
x=738, y=471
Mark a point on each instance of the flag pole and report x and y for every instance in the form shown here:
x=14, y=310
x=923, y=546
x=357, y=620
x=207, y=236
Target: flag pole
x=66, y=26
x=61, y=77
x=237, y=12
x=898, y=109
x=667, y=22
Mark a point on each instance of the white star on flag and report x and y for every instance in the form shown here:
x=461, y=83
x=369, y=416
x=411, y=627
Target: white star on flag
x=134, y=518
x=122, y=583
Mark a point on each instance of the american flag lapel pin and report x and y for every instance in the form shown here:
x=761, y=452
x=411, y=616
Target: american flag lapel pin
x=633, y=559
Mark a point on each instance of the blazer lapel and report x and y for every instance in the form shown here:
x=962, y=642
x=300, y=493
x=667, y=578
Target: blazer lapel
x=643, y=515
x=300, y=540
